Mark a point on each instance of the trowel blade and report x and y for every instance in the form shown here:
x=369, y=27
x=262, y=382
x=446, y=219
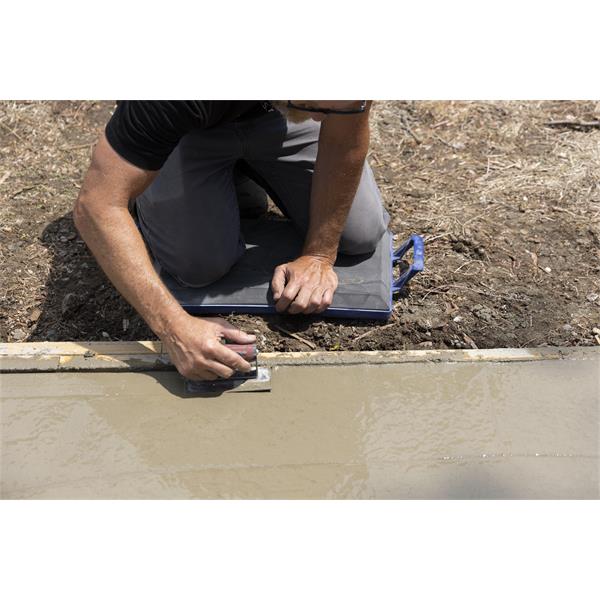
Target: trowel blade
x=258, y=380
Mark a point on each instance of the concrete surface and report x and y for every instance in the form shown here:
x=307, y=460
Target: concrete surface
x=327, y=429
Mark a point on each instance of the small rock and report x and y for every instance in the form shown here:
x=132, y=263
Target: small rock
x=483, y=313
x=105, y=335
x=423, y=324
x=34, y=315
x=592, y=297
x=19, y=334
x=567, y=327
x=596, y=330
x=69, y=302
x=435, y=322
x=457, y=319
x=426, y=344
x=548, y=269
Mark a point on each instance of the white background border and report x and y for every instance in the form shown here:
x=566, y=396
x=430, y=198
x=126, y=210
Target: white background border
x=299, y=550
x=304, y=49
x=464, y=49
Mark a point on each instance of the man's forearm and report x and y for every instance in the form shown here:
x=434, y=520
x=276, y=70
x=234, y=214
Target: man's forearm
x=337, y=174
x=117, y=245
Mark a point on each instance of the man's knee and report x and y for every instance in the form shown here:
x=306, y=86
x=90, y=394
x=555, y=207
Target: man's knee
x=203, y=269
x=363, y=238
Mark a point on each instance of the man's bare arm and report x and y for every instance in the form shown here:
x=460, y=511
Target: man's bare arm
x=307, y=284
x=343, y=147
x=102, y=218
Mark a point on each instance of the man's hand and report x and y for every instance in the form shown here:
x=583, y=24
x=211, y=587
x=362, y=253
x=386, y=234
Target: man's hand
x=196, y=349
x=305, y=285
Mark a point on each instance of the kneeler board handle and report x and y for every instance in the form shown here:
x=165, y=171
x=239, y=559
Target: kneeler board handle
x=416, y=243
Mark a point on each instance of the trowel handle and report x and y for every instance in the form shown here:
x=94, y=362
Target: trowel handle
x=246, y=351
x=416, y=243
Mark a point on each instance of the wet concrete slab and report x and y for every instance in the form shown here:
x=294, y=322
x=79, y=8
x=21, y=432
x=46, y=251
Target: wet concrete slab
x=467, y=429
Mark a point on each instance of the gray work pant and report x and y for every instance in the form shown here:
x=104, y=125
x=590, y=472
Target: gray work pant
x=189, y=215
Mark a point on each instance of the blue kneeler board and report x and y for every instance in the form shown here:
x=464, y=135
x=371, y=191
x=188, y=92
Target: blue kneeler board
x=366, y=282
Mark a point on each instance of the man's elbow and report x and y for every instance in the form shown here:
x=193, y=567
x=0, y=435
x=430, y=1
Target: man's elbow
x=89, y=211
x=82, y=212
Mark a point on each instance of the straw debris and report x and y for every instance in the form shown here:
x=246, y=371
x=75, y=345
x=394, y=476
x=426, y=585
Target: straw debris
x=506, y=194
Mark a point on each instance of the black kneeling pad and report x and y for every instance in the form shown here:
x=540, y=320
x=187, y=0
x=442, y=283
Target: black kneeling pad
x=366, y=282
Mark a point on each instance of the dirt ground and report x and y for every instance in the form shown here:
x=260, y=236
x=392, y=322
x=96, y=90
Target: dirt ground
x=509, y=207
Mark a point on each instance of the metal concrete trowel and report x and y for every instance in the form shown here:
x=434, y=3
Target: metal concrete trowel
x=257, y=380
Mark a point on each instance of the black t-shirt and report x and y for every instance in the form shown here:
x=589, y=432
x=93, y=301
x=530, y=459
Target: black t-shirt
x=145, y=132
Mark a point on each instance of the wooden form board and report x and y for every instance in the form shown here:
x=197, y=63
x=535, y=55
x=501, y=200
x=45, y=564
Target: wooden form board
x=151, y=356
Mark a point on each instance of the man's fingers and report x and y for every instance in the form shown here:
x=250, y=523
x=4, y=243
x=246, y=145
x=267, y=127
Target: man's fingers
x=303, y=300
x=278, y=281
x=326, y=300
x=287, y=296
x=315, y=301
x=210, y=370
x=301, y=303
x=225, y=356
x=198, y=371
x=237, y=336
x=220, y=369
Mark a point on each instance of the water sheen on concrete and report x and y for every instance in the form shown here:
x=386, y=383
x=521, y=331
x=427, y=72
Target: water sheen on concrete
x=412, y=430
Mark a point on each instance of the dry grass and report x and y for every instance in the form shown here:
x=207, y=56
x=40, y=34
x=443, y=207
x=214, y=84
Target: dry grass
x=509, y=207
